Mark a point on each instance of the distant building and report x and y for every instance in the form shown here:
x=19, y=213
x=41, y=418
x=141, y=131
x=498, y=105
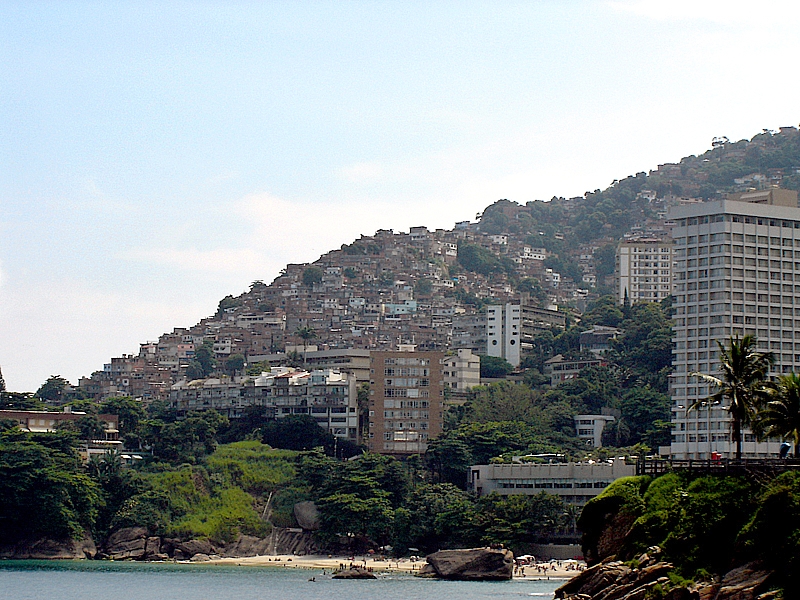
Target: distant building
x=643, y=270
x=574, y=483
x=560, y=369
x=328, y=396
x=462, y=371
x=737, y=273
x=590, y=428
x=598, y=339
x=406, y=401
x=503, y=330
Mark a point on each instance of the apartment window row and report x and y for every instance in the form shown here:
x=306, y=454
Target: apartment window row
x=737, y=219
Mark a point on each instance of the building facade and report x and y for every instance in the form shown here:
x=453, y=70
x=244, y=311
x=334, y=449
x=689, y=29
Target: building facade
x=643, y=270
x=574, y=483
x=503, y=330
x=406, y=401
x=328, y=396
x=462, y=371
x=737, y=273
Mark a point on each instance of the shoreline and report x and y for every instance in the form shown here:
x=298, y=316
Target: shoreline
x=329, y=564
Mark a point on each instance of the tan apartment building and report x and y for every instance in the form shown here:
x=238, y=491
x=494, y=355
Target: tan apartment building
x=643, y=270
x=406, y=401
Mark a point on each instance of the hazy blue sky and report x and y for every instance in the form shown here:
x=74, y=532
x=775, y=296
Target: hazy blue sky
x=155, y=157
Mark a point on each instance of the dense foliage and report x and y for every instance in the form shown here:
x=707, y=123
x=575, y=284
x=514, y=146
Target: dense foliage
x=704, y=524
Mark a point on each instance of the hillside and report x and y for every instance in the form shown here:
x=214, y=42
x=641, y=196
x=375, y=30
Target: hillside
x=428, y=287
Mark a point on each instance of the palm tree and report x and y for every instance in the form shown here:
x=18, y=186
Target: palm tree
x=743, y=383
x=781, y=415
x=305, y=333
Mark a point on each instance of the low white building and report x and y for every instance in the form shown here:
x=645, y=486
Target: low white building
x=574, y=483
x=590, y=428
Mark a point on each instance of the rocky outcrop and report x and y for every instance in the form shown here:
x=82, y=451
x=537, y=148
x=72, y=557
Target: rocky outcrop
x=354, y=573
x=129, y=543
x=307, y=515
x=475, y=564
x=248, y=545
x=614, y=580
x=45, y=549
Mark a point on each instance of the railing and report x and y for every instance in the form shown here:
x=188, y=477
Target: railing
x=721, y=466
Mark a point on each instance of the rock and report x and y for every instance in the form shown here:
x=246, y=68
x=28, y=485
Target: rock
x=613, y=580
x=200, y=557
x=128, y=543
x=427, y=572
x=307, y=515
x=353, y=574
x=46, y=548
x=192, y=547
x=247, y=545
x=743, y=583
x=681, y=593
x=152, y=547
x=476, y=564
x=595, y=579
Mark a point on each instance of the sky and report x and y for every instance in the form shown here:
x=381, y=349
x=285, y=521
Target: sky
x=157, y=156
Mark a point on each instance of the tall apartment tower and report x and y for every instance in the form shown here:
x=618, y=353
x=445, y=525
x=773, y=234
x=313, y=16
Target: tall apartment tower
x=406, y=401
x=503, y=326
x=643, y=270
x=737, y=272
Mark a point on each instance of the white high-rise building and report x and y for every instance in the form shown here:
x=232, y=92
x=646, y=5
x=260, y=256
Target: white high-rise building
x=643, y=270
x=737, y=272
x=503, y=326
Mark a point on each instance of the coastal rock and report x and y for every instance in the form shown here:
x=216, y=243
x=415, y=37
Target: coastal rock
x=186, y=550
x=307, y=515
x=476, y=564
x=45, y=549
x=743, y=583
x=152, y=547
x=128, y=543
x=613, y=580
x=247, y=545
x=353, y=574
x=200, y=557
x=427, y=572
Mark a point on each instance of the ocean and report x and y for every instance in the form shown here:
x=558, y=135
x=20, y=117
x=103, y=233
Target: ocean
x=102, y=580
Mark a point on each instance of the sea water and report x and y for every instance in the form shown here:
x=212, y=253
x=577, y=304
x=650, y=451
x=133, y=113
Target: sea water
x=102, y=580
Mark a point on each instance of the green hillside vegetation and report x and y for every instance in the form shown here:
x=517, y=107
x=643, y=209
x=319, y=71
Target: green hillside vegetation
x=705, y=525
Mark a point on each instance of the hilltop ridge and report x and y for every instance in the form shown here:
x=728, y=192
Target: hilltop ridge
x=428, y=287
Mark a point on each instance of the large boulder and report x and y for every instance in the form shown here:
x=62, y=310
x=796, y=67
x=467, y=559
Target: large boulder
x=247, y=545
x=46, y=548
x=307, y=515
x=475, y=564
x=354, y=573
x=128, y=543
x=744, y=583
x=186, y=550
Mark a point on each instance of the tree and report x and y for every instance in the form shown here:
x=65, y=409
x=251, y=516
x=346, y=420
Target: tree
x=781, y=415
x=495, y=367
x=235, y=363
x=53, y=390
x=306, y=334
x=43, y=489
x=2, y=383
x=744, y=373
x=312, y=275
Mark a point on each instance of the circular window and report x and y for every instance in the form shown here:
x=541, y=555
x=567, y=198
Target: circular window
x=512, y=342
x=494, y=342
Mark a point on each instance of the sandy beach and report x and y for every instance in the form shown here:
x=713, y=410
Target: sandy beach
x=328, y=564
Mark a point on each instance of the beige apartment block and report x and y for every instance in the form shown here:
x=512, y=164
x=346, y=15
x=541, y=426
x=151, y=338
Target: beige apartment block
x=406, y=401
x=643, y=270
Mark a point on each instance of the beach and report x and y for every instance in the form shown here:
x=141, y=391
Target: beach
x=378, y=564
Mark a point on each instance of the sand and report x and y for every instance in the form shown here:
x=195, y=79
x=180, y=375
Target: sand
x=378, y=564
